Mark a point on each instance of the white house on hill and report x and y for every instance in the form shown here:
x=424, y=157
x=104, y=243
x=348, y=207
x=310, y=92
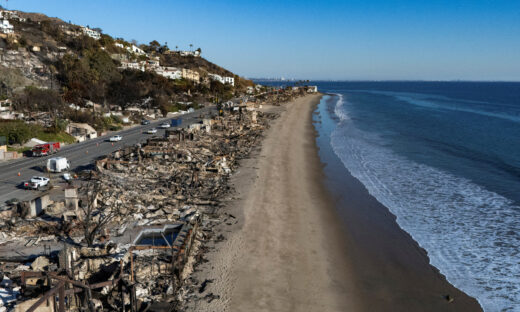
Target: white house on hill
x=91, y=33
x=169, y=72
x=223, y=80
x=229, y=80
x=5, y=26
x=135, y=49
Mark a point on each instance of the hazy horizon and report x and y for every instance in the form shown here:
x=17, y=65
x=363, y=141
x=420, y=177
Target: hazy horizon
x=332, y=40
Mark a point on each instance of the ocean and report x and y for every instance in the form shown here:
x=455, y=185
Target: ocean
x=444, y=158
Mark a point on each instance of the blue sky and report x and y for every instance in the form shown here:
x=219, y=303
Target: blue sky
x=358, y=39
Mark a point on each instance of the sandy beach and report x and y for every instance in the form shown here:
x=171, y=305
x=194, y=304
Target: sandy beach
x=285, y=247
x=286, y=253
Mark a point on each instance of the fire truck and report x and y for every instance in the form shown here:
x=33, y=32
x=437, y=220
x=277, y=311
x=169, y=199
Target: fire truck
x=46, y=149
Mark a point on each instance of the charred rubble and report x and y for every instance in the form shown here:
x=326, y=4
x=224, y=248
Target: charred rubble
x=128, y=233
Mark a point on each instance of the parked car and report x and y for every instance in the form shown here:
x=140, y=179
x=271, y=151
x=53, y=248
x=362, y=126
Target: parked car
x=165, y=125
x=67, y=177
x=145, y=122
x=151, y=131
x=115, y=138
x=36, y=182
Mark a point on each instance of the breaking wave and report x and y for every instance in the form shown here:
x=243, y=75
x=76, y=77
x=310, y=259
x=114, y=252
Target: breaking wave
x=471, y=234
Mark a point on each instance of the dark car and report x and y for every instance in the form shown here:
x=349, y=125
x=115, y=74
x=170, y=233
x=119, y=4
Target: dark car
x=145, y=122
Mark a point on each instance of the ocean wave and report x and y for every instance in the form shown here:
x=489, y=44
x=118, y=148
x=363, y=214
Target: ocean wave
x=338, y=108
x=471, y=234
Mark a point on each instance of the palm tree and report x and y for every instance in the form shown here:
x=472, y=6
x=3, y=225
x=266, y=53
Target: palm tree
x=191, y=46
x=176, y=48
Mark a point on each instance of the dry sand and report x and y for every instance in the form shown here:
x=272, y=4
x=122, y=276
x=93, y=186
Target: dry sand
x=287, y=252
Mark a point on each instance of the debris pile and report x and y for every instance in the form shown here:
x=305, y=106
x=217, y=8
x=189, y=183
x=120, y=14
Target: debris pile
x=124, y=234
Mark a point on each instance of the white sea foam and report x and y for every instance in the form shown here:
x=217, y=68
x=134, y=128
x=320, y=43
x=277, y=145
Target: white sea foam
x=471, y=234
x=338, y=109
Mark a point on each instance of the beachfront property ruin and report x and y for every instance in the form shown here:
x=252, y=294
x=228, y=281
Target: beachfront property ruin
x=154, y=204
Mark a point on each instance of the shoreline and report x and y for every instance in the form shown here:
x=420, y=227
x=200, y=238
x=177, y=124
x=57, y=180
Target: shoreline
x=291, y=243
x=392, y=268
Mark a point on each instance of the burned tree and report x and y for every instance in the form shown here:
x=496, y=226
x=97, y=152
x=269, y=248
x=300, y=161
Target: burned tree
x=95, y=215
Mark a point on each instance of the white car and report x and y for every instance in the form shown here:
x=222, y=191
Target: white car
x=165, y=125
x=67, y=176
x=151, y=131
x=36, y=182
x=115, y=138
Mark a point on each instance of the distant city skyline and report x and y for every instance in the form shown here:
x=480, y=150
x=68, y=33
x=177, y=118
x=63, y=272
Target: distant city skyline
x=329, y=40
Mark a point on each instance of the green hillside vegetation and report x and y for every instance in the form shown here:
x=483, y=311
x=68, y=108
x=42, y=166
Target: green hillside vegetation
x=83, y=69
x=19, y=132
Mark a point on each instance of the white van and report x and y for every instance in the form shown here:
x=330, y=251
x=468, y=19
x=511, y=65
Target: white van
x=57, y=164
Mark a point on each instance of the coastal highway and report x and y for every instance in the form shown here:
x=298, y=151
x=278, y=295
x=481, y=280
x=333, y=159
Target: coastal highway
x=80, y=155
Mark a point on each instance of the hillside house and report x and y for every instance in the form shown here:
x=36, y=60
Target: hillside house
x=133, y=65
x=152, y=64
x=81, y=131
x=190, y=75
x=189, y=53
x=5, y=105
x=135, y=50
x=229, y=80
x=223, y=80
x=169, y=72
x=12, y=15
x=91, y=33
x=216, y=77
x=5, y=26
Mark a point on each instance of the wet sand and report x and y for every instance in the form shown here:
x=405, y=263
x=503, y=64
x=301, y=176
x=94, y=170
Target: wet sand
x=294, y=245
x=392, y=272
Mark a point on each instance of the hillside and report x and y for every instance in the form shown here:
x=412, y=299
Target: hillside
x=79, y=67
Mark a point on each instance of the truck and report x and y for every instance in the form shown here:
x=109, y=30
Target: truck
x=46, y=149
x=176, y=122
x=57, y=164
x=36, y=182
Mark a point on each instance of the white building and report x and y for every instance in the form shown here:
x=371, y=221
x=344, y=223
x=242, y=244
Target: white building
x=229, y=80
x=133, y=65
x=5, y=105
x=119, y=45
x=91, y=33
x=134, y=49
x=216, y=77
x=5, y=26
x=12, y=15
x=223, y=80
x=169, y=72
x=312, y=89
x=195, y=53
